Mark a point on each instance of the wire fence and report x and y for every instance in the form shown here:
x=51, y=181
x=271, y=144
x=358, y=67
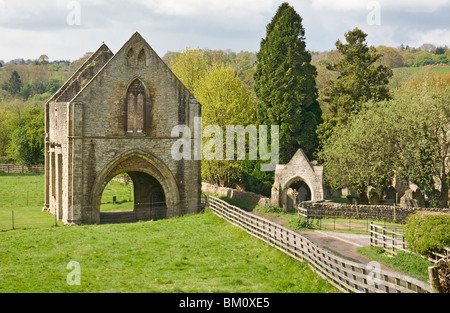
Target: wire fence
x=33, y=217
x=344, y=220
x=26, y=219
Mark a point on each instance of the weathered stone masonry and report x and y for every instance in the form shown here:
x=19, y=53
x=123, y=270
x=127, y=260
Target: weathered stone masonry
x=115, y=115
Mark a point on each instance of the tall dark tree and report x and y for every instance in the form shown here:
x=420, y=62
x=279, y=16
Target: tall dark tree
x=285, y=84
x=359, y=81
x=14, y=84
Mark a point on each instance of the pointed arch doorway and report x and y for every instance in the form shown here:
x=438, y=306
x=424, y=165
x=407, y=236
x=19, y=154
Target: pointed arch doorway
x=156, y=194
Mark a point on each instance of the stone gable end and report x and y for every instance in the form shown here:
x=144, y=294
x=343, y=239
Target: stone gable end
x=115, y=115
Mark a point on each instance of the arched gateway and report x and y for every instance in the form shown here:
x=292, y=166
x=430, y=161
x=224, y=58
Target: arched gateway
x=115, y=115
x=296, y=182
x=151, y=179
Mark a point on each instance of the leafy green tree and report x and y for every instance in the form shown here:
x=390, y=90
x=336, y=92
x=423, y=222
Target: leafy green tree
x=225, y=101
x=362, y=152
x=391, y=57
x=53, y=85
x=190, y=67
x=359, y=81
x=424, y=58
x=285, y=84
x=424, y=126
x=27, y=138
x=407, y=135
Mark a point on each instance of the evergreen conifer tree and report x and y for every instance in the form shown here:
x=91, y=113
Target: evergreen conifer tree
x=285, y=84
x=359, y=81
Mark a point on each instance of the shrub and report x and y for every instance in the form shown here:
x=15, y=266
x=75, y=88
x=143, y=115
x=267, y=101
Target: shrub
x=269, y=209
x=297, y=223
x=427, y=232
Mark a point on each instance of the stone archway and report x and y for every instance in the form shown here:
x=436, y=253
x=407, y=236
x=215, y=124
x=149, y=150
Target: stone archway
x=150, y=176
x=299, y=170
x=297, y=191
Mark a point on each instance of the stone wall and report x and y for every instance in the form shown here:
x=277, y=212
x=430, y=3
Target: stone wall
x=387, y=213
x=236, y=194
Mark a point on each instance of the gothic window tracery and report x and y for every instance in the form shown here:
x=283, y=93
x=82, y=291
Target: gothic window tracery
x=135, y=107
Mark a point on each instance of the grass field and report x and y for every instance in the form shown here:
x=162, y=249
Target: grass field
x=124, y=197
x=408, y=263
x=196, y=253
x=200, y=253
x=22, y=198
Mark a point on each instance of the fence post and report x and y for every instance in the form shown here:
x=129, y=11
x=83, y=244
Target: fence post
x=395, y=215
x=393, y=242
x=434, y=280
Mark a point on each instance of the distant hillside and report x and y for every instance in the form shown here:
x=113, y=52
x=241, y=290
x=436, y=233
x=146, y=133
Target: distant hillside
x=405, y=74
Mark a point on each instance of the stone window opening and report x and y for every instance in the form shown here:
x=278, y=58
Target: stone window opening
x=131, y=58
x=142, y=58
x=136, y=108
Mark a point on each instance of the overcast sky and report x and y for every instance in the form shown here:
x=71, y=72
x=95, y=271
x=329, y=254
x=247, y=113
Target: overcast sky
x=64, y=29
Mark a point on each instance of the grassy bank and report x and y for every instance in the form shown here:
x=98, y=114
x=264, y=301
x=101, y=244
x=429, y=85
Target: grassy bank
x=199, y=253
x=21, y=202
x=408, y=263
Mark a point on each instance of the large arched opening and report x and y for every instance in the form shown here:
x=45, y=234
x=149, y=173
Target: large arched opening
x=133, y=196
x=155, y=194
x=297, y=191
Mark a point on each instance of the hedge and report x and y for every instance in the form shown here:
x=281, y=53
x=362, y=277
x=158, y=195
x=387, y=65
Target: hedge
x=427, y=232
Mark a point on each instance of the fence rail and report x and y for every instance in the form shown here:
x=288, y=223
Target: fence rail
x=392, y=241
x=21, y=169
x=345, y=275
x=386, y=213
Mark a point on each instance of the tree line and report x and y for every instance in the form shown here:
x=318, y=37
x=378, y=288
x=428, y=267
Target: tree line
x=337, y=106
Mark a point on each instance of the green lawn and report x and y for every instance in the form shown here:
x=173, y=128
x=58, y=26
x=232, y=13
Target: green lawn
x=124, y=197
x=195, y=253
x=22, y=200
x=22, y=197
x=408, y=263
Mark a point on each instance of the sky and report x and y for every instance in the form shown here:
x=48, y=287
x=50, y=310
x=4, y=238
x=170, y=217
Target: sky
x=66, y=29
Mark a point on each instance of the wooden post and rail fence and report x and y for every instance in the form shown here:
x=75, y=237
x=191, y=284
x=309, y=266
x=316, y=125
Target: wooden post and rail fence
x=345, y=275
x=392, y=241
x=21, y=169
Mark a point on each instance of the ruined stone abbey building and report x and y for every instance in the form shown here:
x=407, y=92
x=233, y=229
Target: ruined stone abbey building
x=115, y=115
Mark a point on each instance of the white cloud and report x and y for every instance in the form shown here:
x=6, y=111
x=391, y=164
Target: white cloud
x=397, y=5
x=199, y=7
x=438, y=37
x=30, y=28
